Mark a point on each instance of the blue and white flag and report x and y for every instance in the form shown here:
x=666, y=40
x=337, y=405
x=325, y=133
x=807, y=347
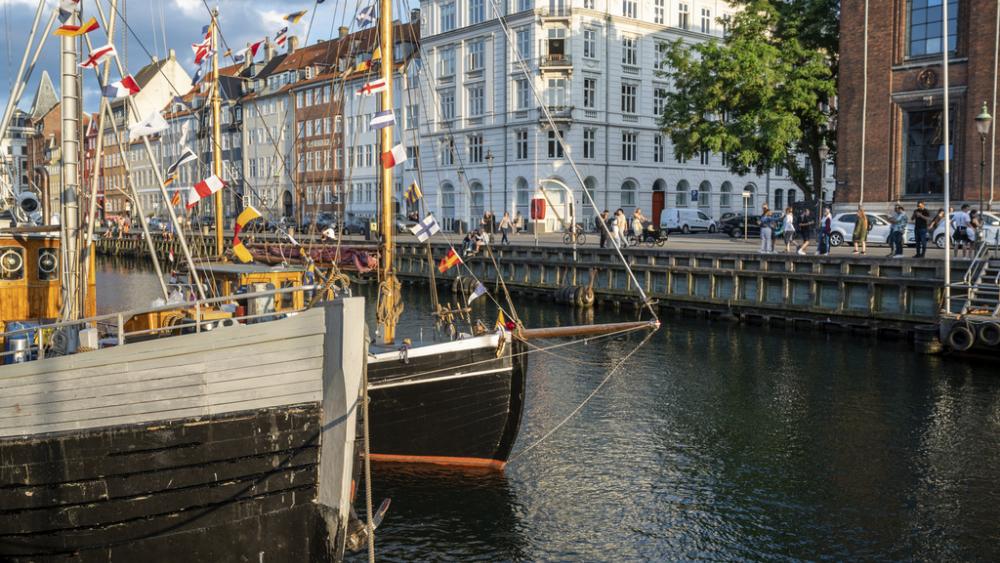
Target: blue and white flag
x=426, y=228
x=478, y=291
x=383, y=119
x=197, y=76
x=366, y=16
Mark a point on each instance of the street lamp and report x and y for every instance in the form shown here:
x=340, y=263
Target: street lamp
x=489, y=206
x=824, y=152
x=983, y=122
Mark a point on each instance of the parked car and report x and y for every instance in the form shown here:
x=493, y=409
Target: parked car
x=404, y=223
x=687, y=221
x=320, y=221
x=354, y=225
x=842, y=228
x=735, y=228
x=991, y=230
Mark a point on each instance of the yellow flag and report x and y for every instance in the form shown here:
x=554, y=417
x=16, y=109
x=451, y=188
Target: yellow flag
x=377, y=54
x=241, y=253
x=501, y=322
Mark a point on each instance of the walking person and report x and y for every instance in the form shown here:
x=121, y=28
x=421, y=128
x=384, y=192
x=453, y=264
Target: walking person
x=766, y=231
x=897, y=232
x=860, y=234
x=921, y=219
x=971, y=231
x=505, y=226
x=805, y=229
x=637, y=220
x=825, y=228
x=621, y=225
x=788, y=229
x=601, y=223
x=960, y=226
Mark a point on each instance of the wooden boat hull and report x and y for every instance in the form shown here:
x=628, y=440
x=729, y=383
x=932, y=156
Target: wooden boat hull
x=456, y=403
x=235, y=445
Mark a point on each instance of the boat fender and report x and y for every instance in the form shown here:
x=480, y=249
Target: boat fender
x=989, y=334
x=960, y=338
x=226, y=323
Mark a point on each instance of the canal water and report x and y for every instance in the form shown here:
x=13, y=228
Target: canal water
x=717, y=442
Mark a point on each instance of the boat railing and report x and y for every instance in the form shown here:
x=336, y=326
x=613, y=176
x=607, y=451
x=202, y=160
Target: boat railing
x=113, y=324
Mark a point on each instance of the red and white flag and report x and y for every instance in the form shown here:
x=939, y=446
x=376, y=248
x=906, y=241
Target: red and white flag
x=373, y=87
x=98, y=56
x=125, y=87
x=204, y=188
x=202, y=50
x=396, y=156
x=253, y=48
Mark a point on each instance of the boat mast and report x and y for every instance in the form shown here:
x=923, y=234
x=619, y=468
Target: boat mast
x=389, y=294
x=216, y=133
x=68, y=201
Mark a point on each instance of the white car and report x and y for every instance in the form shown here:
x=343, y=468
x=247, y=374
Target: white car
x=991, y=230
x=842, y=228
x=686, y=221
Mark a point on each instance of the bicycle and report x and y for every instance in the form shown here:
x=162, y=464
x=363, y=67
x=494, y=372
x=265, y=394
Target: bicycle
x=574, y=235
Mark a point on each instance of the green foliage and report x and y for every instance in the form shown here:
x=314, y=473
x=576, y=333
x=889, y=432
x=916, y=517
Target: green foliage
x=762, y=95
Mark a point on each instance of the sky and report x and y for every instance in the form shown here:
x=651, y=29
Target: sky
x=159, y=25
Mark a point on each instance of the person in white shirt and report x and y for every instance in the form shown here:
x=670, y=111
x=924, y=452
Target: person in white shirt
x=960, y=229
x=788, y=229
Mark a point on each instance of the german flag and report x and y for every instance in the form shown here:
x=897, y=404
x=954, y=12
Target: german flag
x=449, y=261
x=77, y=30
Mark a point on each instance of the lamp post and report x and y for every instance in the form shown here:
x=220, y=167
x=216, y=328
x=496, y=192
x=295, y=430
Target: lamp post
x=824, y=152
x=489, y=168
x=983, y=122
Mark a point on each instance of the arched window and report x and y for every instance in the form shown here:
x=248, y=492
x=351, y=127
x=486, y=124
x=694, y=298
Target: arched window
x=705, y=194
x=779, y=199
x=791, y=198
x=628, y=193
x=523, y=196
x=586, y=210
x=681, y=197
x=447, y=204
x=752, y=190
x=477, y=205
x=725, y=198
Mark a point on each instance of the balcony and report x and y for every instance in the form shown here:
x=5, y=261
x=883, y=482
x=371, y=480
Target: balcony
x=556, y=13
x=560, y=114
x=555, y=63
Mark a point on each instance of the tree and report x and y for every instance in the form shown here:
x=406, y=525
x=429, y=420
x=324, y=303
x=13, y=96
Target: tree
x=762, y=95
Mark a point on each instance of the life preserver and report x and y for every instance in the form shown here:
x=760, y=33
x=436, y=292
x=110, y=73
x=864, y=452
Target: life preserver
x=989, y=334
x=960, y=338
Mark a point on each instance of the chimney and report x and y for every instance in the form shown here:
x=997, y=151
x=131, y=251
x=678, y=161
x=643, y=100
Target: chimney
x=293, y=44
x=171, y=55
x=344, y=30
x=268, y=49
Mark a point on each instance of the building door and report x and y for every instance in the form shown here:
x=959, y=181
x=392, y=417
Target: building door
x=658, y=199
x=286, y=201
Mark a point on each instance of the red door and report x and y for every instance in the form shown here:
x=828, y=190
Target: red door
x=657, y=208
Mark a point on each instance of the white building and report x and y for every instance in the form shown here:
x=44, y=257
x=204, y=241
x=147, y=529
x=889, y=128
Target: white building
x=592, y=64
x=14, y=173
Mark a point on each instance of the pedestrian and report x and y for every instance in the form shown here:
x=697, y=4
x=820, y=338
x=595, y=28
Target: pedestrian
x=637, y=220
x=960, y=226
x=621, y=224
x=897, y=232
x=921, y=218
x=860, y=234
x=825, y=228
x=518, y=223
x=788, y=229
x=505, y=226
x=936, y=221
x=805, y=229
x=766, y=230
x=971, y=231
x=601, y=222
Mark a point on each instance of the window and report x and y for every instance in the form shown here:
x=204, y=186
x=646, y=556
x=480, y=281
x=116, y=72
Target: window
x=679, y=157
x=448, y=104
x=925, y=152
x=630, y=146
x=476, y=13
x=630, y=8
x=590, y=43
x=705, y=157
x=682, y=16
x=556, y=44
x=659, y=11
x=706, y=20
x=924, y=30
x=630, y=50
x=726, y=198
x=447, y=152
x=590, y=143
x=447, y=16
x=705, y=195
x=589, y=92
x=628, y=193
x=477, y=203
x=412, y=157
x=412, y=116
x=629, y=90
x=555, y=94
x=659, y=100
x=523, y=42
x=779, y=199
x=476, y=103
x=681, y=197
x=589, y=4
x=521, y=143
x=523, y=5
x=338, y=124
x=475, y=148
x=660, y=54
x=522, y=94
x=476, y=50
x=446, y=61
x=555, y=147
x=658, y=150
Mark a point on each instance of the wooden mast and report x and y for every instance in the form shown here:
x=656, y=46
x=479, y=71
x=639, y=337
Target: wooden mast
x=217, y=135
x=389, y=294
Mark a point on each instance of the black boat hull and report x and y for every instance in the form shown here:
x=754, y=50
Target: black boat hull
x=450, y=407
x=235, y=487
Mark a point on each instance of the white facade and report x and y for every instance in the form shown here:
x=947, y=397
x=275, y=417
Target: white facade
x=268, y=137
x=14, y=174
x=592, y=64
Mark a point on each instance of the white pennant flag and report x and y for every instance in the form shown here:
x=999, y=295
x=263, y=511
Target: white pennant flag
x=150, y=126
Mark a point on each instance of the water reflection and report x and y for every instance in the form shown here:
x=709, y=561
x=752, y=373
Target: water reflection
x=718, y=442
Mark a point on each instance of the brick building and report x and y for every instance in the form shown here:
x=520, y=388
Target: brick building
x=904, y=140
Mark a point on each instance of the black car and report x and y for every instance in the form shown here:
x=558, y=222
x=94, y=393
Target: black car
x=734, y=225
x=319, y=222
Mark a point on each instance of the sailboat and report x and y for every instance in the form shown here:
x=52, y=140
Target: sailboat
x=213, y=429
x=457, y=402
